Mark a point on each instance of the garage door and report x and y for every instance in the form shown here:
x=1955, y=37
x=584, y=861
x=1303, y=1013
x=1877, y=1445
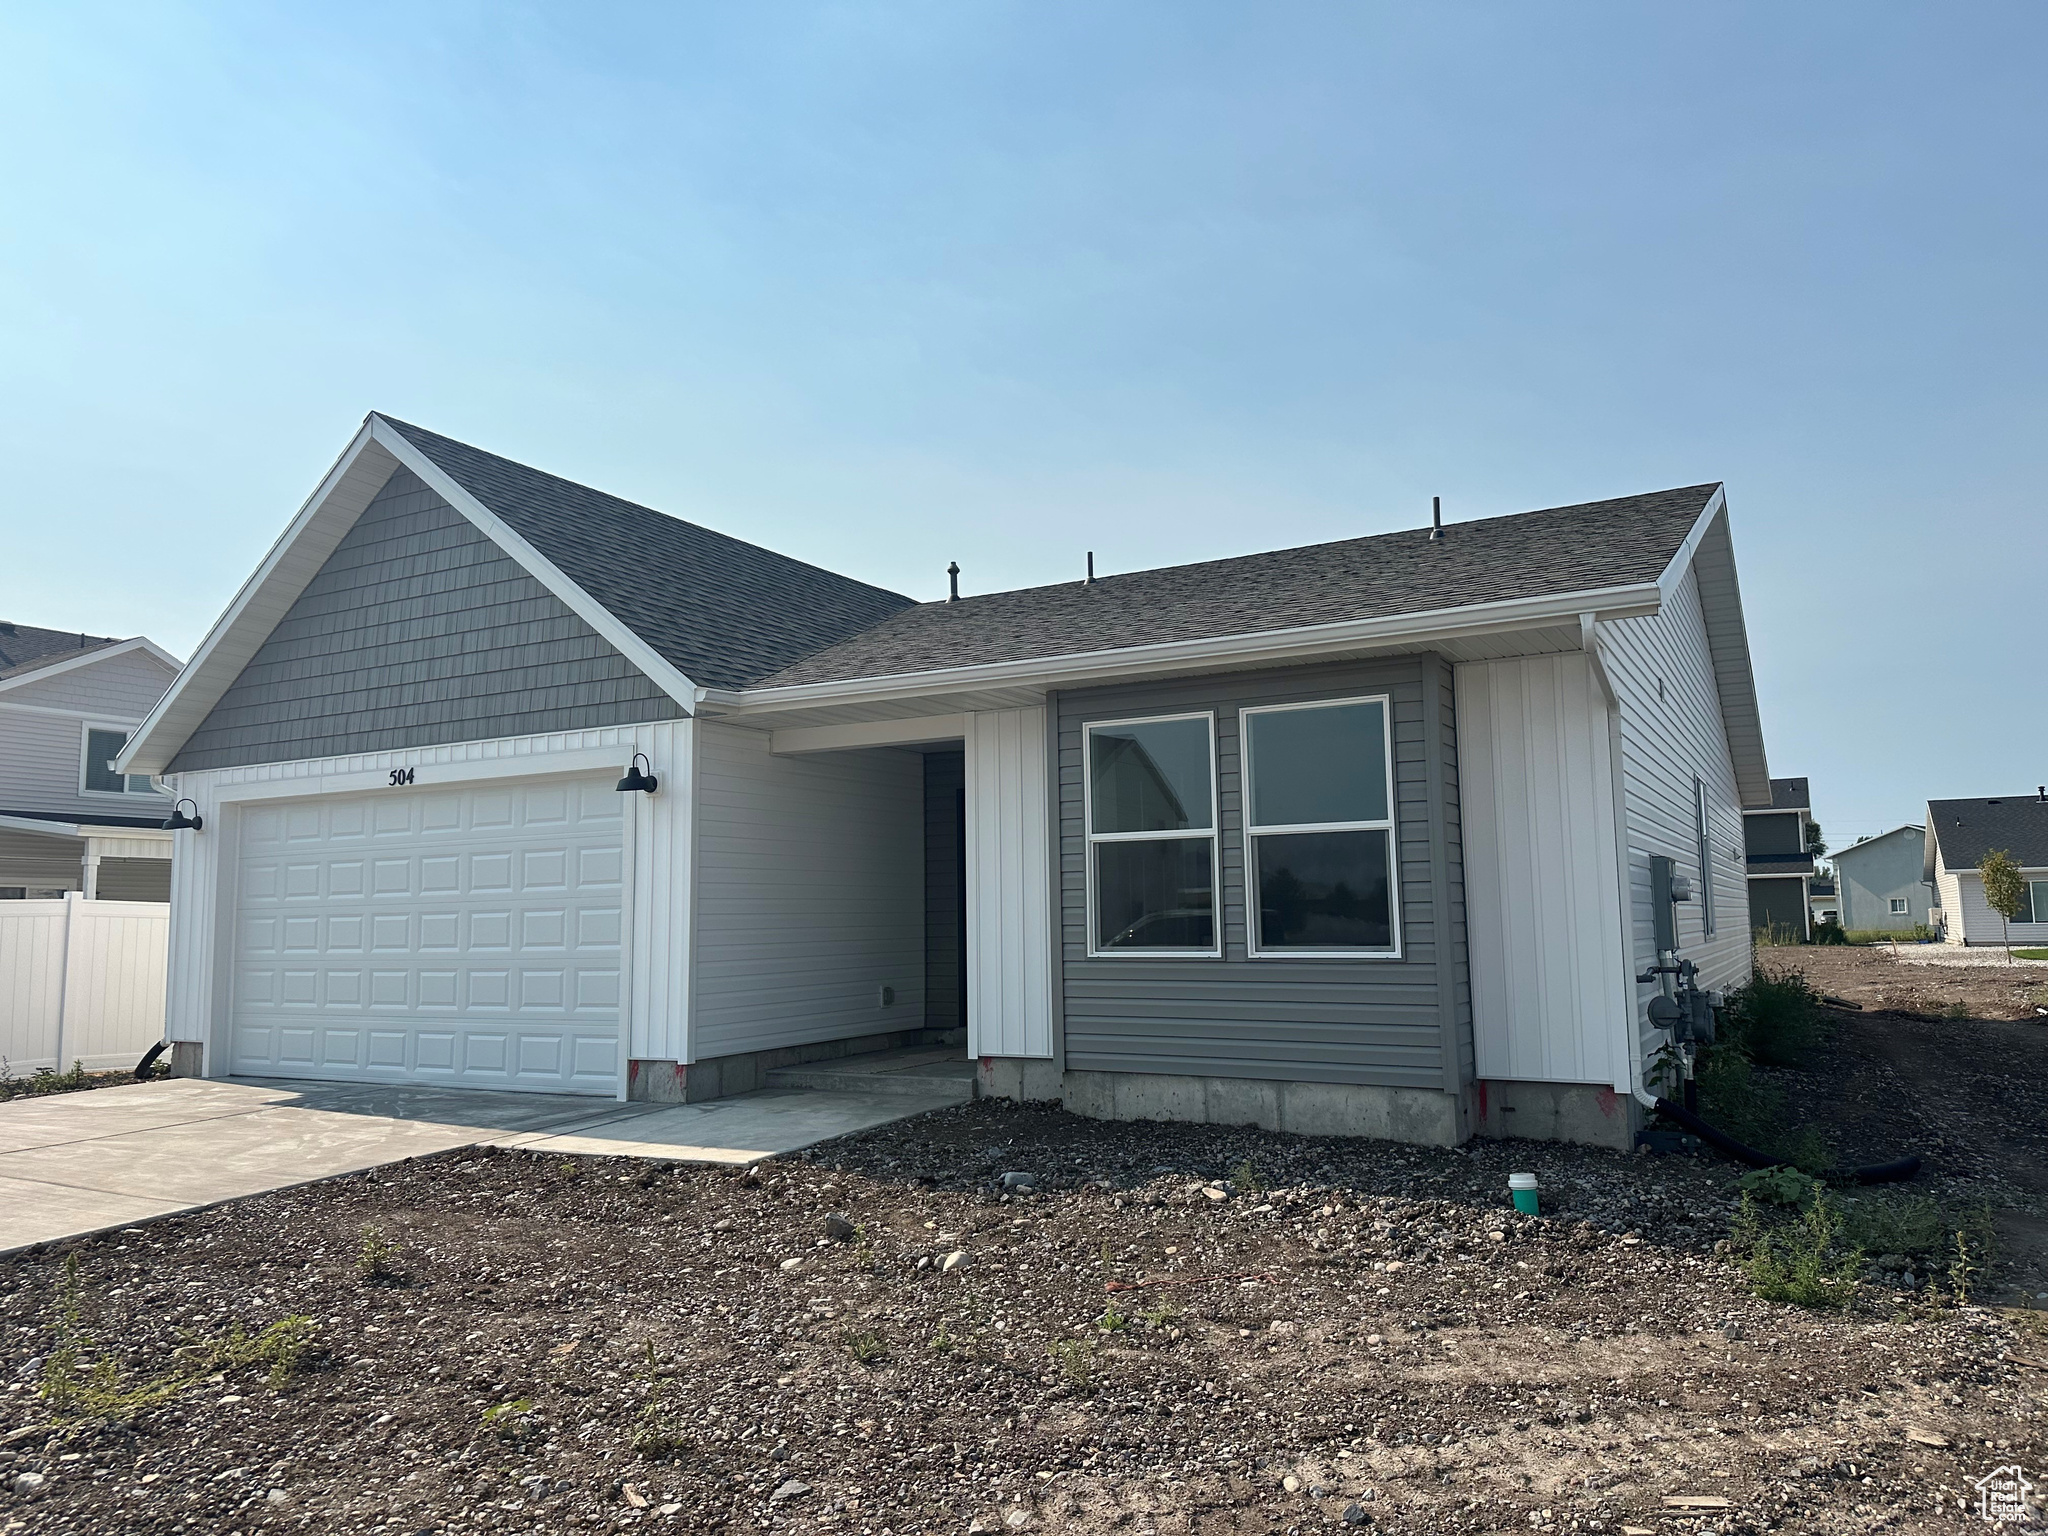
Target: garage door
x=455, y=936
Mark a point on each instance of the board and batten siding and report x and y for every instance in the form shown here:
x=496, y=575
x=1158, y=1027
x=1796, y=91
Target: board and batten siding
x=1009, y=885
x=1671, y=731
x=1392, y=1022
x=418, y=630
x=810, y=893
x=1550, y=994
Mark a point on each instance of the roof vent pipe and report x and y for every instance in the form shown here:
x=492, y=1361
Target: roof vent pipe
x=953, y=578
x=1091, y=570
x=2042, y=791
x=1436, y=518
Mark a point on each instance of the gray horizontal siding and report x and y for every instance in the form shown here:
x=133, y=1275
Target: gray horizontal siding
x=416, y=632
x=1403, y=1023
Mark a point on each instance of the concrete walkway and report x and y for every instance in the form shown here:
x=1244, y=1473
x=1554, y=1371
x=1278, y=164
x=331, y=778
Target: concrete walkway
x=73, y=1163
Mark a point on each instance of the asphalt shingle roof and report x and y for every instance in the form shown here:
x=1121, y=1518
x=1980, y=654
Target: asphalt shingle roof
x=24, y=648
x=1530, y=554
x=723, y=611
x=1789, y=795
x=1969, y=829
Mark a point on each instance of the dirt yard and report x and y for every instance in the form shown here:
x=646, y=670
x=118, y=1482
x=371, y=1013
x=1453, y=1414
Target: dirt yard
x=876, y=1338
x=1868, y=974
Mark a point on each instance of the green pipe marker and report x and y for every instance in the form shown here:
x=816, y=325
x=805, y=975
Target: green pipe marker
x=1522, y=1186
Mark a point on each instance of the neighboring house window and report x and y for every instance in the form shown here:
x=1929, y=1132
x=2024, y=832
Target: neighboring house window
x=1151, y=811
x=1319, y=829
x=1699, y=832
x=1898, y=906
x=102, y=746
x=2034, y=904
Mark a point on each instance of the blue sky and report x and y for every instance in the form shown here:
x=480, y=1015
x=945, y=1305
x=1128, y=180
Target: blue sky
x=887, y=285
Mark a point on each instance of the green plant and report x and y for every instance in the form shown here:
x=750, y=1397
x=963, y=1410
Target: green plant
x=1828, y=931
x=1780, y=1186
x=1802, y=1262
x=1735, y=1100
x=1774, y=1017
x=1962, y=1270
x=374, y=1260
x=2031, y=954
x=2005, y=890
x=509, y=1419
x=1112, y=1321
x=943, y=1342
x=1774, y=935
x=1956, y=1010
x=1244, y=1178
x=1076, y=1358
x=1162, y=1313
x=658, y=1436
x=865, y=1345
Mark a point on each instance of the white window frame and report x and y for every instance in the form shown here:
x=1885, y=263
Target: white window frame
x=1391, y=826
x=1895, y=906
x=2037, y=887
x=127, y=730
x=1703, y=849
x=1214, y=833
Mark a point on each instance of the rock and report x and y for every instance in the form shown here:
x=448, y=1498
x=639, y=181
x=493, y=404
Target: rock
x=1291, y=1483
x=670, y=1509
x=789, y=1490
x=28, y=1482
x=634, y=1496
x=957, y=1259
x=1927, y=1437
x=1354, y=1514
x=1016, y=1519
x=1215, y=1192
x=789, y=1264
x=1020, y=1181
x=276, y=1496
x=839, y=1229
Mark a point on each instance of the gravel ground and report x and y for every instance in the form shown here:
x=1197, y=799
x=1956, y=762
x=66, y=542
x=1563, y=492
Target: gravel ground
x=1956, y=955
x=1327, y=1335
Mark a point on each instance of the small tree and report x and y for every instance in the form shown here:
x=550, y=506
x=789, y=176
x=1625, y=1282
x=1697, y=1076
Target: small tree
x=2004, y=891
x=1816, y=845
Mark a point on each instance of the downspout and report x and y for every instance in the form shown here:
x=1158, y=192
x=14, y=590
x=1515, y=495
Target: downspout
x=1591, y=643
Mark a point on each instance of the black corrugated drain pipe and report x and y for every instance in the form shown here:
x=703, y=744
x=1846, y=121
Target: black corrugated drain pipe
x=1876, y=1173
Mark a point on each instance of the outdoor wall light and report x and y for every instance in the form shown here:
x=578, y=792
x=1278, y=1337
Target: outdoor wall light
x=646, y=783
x=180, y=821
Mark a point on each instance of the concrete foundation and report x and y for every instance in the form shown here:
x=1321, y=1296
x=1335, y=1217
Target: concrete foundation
x=188, y=1058
x=1423, y=1116
x=1027, y=1080
x=655, y=1082
x=1588, y=1114
x=722, y=1076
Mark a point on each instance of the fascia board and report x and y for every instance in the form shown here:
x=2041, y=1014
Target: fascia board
x=88, y=658
x=1277, y=646
x=664, y=672
x=275, y=584
x=45, y=828
x=1728, y=647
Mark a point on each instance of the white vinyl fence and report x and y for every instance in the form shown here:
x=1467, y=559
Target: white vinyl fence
x=81, y=981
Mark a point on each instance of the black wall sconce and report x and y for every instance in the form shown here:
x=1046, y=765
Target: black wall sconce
x=179, y=821
x=646, y=783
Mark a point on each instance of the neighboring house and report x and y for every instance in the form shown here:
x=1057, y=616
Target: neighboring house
x=68, y=820
x=1355, y=838
x=1881, y=881
x=1780, y=861
x=1820, y=894
x=1959, y=834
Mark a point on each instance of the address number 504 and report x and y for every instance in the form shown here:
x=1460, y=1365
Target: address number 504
x=401, y=776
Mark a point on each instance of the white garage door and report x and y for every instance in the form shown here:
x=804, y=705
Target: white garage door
x=459, y=936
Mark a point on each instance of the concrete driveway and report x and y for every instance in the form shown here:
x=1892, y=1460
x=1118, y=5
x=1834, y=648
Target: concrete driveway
x=74, y=1163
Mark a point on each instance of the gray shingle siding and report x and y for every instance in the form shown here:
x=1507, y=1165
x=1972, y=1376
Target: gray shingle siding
x=418, y=631
x=1404, y=1023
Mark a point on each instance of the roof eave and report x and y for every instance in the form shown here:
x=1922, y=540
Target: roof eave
x=99, y=653
x=1709, y=550
x=1279, y=647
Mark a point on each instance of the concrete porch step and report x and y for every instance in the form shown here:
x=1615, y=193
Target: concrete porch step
x=941, y=1075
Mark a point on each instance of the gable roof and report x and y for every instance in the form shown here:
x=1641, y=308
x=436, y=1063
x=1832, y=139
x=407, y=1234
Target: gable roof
x=1582, y=548
x=29, y=654
x=725, y=612
x=1871, y=842
x=1965, y=830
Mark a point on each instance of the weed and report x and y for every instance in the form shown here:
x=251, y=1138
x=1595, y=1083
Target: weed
x=1244, y=1178
x=865, y=1345
x=1166, y=1310
x=1112, y=1321
x=374, y=1260
x=1774, y=1017
x=943, y=1342
x=1956, y=1010
x=47, y=1080
x=566, y=1170
x=1962, y=1269
x=658, y=1436
x=1913, y=1227
x=1802, y=1262
x=1779, y=1186
x=1735, y=1100
x=509, y=1419
x=1076, y=1358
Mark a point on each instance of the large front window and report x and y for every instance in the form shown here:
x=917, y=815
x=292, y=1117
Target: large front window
x=1319, y=829
x=1151, y=809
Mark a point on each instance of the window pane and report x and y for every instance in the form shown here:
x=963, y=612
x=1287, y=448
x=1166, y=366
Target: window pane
x=1313, y=765
x=100, y=748
x=1323, y=890
x=1155, y=895
x=2036, y=909
x=1151, y=777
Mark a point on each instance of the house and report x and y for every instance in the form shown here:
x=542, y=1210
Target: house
x=1881, y=882
x=498, y=780
x=1959, y=834
x=1820, y=895
x=1779, y=859
x=68, y=820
